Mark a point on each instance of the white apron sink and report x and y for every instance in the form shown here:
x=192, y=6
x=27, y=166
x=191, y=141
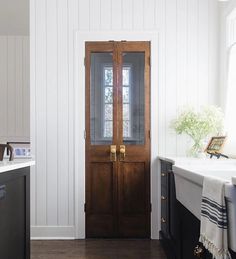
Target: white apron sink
x=189, y=181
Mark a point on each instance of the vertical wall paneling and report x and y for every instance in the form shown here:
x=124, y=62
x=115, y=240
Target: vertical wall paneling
x=186, y=74
x=14, y=85
x=41, y=114
x=84, y=15
x=116, y=14
x=63, y=115
x=11, y=86
x=213, y=43
x=52, y=111
x=181, y=66
x=149, y=14
x=105, y=14
x=161, y=26
x=33, y=32
x=73, y=24
x=138, y=15
x=127, y=11
x=171, y=66
x=3, y=85
x=95, y=15
x=19, y=85
x=203, y=41
x=26, y=87
x=192, y=52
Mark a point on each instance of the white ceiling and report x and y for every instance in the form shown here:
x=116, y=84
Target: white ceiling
x=14, y=17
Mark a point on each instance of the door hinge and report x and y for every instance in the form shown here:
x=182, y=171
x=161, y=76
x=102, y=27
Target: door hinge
x=85, y=207
x=149, y=134
x=150, y=207
x=149, y=61
x=84, y=134
x=84, y=61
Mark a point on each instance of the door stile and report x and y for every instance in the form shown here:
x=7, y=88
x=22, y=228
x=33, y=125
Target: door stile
x=115, y=133
x=99, y=154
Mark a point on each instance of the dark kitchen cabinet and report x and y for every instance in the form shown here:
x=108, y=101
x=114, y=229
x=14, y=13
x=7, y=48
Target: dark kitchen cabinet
x=180, y=229
x=15, y=214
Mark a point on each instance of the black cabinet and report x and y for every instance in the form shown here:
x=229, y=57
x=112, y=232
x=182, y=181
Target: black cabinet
x=180, y=229
x=169, y=224
x=15, y=214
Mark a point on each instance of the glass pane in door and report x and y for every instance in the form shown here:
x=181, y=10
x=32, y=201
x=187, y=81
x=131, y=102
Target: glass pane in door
x=101, y=99
x=133, y=98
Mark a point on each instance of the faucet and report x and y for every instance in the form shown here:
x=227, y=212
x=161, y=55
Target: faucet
x=2, y=150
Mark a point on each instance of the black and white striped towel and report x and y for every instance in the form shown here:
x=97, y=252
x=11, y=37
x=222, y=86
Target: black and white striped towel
x=214, y=224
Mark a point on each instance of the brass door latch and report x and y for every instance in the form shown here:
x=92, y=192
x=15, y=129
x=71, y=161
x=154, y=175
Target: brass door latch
x=122, y=152
x=113, y=153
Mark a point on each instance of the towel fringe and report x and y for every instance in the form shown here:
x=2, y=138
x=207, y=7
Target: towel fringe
x=217, y=253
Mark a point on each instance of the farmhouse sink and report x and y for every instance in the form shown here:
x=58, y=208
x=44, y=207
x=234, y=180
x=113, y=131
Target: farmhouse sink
x=189, y=181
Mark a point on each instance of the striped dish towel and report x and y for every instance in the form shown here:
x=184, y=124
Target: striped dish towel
x=214, y=223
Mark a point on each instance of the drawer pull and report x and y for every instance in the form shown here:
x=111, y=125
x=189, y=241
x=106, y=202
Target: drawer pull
x=163, y=174
x=163, y=220
x=163, y=198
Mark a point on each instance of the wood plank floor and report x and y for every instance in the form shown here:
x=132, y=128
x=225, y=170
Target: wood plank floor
x=97, y=249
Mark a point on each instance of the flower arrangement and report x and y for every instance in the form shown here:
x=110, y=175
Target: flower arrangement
x=199, y=125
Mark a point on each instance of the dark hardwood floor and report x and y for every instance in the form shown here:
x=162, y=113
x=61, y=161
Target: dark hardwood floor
x=97, y=249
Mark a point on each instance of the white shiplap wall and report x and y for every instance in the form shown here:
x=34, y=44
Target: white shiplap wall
x=14, y=88
x=188, y=51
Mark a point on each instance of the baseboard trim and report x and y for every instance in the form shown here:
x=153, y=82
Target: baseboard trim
x=52, y=232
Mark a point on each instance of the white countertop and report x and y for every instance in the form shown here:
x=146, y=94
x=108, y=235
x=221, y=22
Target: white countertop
x=190, y=161
x=6, y=165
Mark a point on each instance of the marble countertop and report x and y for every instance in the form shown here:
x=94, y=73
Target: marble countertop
x=6, y=165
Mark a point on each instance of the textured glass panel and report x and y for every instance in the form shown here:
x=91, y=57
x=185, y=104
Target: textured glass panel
x=108, y=94
x=126, y=114
x=133, y=98
x=126, y=129
x=108, y=112
x=125, y=94
x=108, y=75
x=108, y=129
x=126, y=76
x=101, y=109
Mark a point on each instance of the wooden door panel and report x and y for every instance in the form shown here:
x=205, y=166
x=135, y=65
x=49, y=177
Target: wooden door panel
x=132, y=188
x=100, y=200
x=118, y=192
x=134, y=206
x=101, y=188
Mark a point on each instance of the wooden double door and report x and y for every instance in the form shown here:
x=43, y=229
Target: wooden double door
x=117, y=139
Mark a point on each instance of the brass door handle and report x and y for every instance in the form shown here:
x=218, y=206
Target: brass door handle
x=113, y=153
x=122, y=152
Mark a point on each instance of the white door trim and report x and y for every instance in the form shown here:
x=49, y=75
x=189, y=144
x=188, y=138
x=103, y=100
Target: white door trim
x=79, y=100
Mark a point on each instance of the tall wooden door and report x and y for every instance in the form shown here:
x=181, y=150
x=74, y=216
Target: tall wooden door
x=117, y=139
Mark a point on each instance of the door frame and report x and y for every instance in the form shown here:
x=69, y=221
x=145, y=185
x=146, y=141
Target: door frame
x=79, y=121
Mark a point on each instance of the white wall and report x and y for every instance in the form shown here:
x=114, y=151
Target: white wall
x=225, y=10
x=227, y=38
x=14, y=17
x=188, y=74
x=14, y=88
